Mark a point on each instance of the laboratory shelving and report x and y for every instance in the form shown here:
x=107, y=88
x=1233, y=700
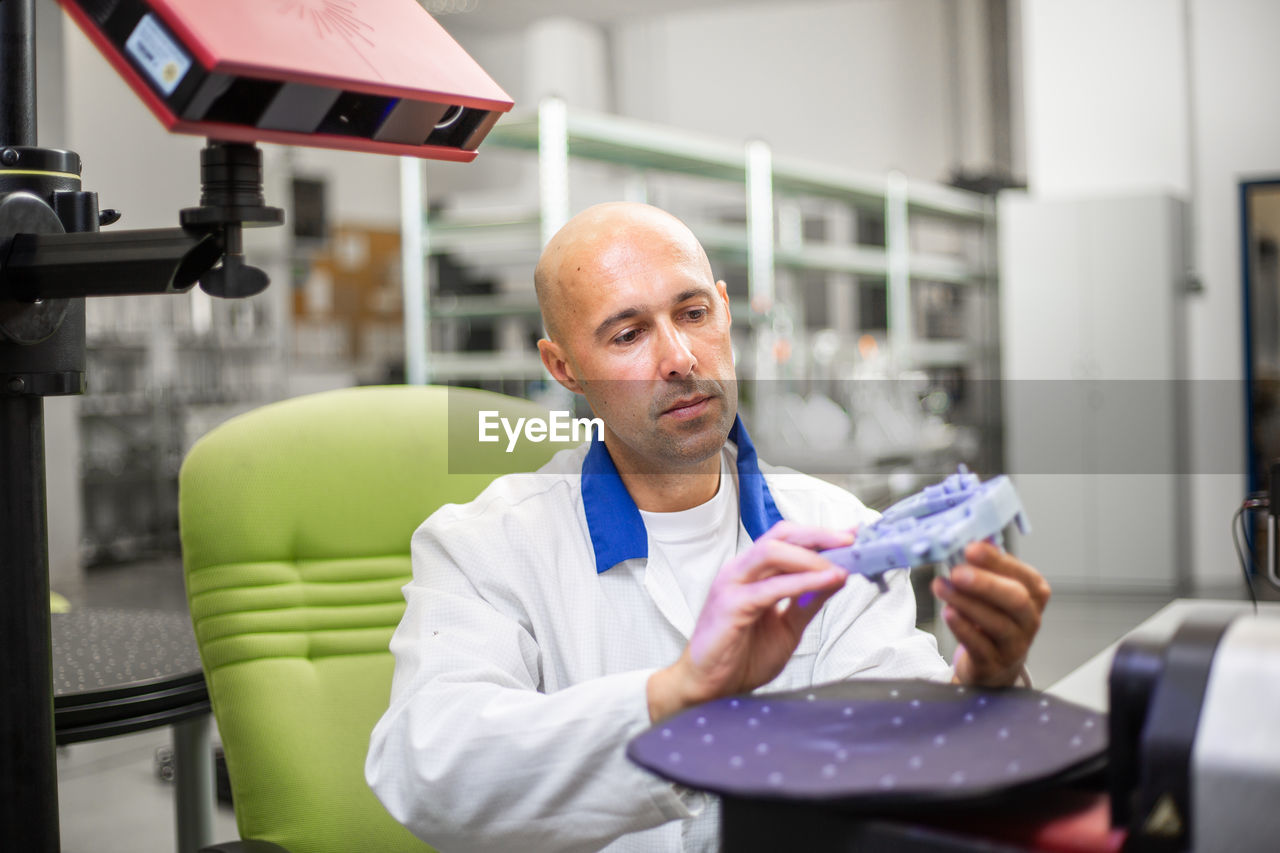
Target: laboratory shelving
x=161, y=372
x=816, y=257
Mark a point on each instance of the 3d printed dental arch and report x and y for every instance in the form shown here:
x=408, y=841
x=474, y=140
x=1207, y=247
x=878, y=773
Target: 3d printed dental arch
x=934, y=526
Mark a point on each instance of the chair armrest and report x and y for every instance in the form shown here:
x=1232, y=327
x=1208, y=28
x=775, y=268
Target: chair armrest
x=244, y=846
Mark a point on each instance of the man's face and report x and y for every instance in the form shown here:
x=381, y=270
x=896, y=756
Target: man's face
x=643, y=333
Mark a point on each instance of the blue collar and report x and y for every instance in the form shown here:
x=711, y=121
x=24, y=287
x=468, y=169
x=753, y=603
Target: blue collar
x=617, y=530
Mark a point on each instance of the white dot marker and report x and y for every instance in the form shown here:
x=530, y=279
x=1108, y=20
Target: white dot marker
x=701, y=721
x=666, y=734
x=674, y=758
x=764, y=709
x=775, y=778
x=828, y=771
x=887, y=781
x=752, y=722
x=957, y=778
x=897, y=721
x=762, y=748
x=1077, y=741
x=811, y=697
x=968, y=718
x=916, y=762
x=939, y=740
x=1044, y=718
x=842, y=754
x=848, y=712
x=1003, y=734
x=735, y=762
x=894, y=693
x=708, y=738
x=1013, y=767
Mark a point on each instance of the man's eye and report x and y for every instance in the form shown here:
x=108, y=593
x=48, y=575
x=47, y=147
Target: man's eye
x=627, y=337
x=696, y=313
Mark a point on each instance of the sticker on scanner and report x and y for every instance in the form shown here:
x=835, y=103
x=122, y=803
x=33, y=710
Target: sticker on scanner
x=157, y=54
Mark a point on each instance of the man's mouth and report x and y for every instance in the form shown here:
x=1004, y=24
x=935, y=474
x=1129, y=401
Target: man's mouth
x=689, y=407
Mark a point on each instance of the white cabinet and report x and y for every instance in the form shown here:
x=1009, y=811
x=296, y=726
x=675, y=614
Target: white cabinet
x=1092, y=335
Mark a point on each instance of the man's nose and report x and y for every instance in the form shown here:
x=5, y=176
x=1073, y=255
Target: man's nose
x=675, y=359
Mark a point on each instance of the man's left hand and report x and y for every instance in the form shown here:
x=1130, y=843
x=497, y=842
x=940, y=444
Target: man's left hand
x=993, y=606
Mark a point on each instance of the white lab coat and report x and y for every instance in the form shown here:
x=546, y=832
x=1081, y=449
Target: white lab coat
x=520, y=672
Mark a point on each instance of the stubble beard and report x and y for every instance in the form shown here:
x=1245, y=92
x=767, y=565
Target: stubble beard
x=658, y=445
x=685, y=444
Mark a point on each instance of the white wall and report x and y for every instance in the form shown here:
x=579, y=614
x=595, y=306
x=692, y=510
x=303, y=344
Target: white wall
x=864, y=84
x=1108, y=87
x=1105, y=96
x=860, y=84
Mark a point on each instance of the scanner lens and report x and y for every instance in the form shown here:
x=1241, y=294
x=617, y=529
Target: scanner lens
x=450, y=116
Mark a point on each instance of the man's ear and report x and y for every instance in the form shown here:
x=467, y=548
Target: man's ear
x=553, y=359
x=723, y=290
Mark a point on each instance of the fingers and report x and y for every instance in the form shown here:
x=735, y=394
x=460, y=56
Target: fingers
x=988, y=556
x=983, y=595
x=976, y=642
x=782, y=564
x=993, y=606
x=785, y=551
x=1010, y=632
x=817, y=587
x=808, y=537
x=983, y=661
x=801, y=611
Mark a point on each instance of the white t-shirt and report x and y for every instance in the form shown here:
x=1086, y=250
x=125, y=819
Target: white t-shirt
x=697, y=542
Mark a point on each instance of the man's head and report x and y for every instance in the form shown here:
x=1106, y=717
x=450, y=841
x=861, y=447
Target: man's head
x=637, y=323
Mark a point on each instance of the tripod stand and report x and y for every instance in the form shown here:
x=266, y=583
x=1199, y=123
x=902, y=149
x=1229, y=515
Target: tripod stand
x=52, y=257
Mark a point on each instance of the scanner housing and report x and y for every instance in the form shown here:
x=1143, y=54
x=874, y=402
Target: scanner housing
x=374, y=75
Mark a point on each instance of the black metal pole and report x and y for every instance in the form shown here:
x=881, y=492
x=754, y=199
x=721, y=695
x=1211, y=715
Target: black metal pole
x=17, y=72
x=28, y=765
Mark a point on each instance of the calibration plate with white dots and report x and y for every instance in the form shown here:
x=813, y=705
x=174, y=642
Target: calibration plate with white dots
x=884, y=741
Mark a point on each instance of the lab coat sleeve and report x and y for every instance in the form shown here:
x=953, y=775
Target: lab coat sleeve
x=470, y=756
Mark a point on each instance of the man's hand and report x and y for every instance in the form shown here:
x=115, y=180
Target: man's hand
x=993, y=606
x=745, y=634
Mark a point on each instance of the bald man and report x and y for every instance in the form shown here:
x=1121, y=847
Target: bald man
x=563, y=612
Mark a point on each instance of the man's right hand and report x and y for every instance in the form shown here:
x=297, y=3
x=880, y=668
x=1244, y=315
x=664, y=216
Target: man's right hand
x=745, y=633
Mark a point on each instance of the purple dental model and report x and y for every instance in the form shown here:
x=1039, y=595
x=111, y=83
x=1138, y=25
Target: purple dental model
x=933, y=526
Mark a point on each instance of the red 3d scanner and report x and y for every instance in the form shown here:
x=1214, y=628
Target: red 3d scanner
x=373, y=75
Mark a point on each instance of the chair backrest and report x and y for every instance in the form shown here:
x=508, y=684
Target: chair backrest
x=295, y=522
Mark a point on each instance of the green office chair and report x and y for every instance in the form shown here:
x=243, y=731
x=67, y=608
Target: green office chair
x=295, y=521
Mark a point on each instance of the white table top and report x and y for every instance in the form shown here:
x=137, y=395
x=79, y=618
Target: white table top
x=1087, y=684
